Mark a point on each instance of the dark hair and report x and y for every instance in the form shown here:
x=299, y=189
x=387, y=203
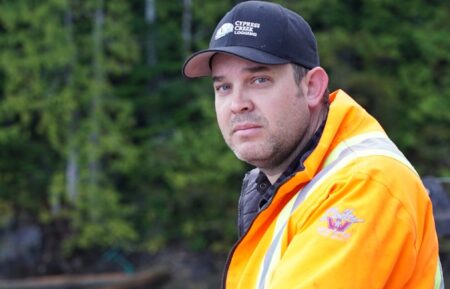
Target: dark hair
x=300, y=72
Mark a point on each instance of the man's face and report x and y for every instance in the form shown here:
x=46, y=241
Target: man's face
x=261, y=111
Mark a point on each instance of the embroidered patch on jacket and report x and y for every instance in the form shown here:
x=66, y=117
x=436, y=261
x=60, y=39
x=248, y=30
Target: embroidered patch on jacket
x=337, y=223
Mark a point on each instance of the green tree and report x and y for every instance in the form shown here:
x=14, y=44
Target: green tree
x=63, y=127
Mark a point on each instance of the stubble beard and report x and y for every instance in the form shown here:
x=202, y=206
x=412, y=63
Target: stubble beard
x=272, y=153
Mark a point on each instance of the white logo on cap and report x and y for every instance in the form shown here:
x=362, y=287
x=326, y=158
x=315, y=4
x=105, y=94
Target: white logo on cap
x=224, y=30
x=246, y=28
x=239, y=28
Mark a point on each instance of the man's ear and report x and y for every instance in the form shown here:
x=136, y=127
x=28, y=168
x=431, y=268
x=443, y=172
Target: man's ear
x=316, y=83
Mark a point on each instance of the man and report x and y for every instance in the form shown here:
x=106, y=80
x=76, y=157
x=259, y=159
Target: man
x=332, y=203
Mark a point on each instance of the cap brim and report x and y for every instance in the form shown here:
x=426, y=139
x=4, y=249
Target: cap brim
x=198, y=64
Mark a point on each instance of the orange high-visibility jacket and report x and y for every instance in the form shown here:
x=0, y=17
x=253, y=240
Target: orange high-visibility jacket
x=358, y=216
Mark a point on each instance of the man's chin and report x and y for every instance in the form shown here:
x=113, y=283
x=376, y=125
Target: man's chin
x=251, y=156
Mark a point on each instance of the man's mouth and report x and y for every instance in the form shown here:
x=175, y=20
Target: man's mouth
x=245, y=129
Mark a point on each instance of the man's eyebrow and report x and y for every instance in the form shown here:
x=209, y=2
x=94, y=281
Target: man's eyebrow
x=217, y=78
x=258, y=68
x=251, y=69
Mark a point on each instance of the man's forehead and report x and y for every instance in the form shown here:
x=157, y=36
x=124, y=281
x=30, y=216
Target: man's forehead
x=227, y=57
x=222, y=62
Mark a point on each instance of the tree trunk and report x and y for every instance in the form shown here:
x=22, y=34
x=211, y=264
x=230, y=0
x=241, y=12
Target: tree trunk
x=96, y=103
x=186, y=25
x=150, y=19
x=72, y=152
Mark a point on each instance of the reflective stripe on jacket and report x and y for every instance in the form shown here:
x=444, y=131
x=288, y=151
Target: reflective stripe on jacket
x=357, y=216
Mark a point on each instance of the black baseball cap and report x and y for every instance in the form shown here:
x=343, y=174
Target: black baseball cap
x=261, y=32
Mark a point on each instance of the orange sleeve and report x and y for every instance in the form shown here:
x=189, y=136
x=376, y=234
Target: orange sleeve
x=359, y=235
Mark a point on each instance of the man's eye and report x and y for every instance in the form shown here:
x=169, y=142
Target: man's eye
x=223, y=87
x=260, y=80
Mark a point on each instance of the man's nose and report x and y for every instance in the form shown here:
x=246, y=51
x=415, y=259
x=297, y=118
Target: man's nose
x=241, y=101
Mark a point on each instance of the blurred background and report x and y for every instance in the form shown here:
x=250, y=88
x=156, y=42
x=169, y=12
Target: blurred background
x=111, y=163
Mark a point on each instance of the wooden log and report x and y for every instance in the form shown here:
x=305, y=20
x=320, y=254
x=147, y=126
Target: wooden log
x=148, y=278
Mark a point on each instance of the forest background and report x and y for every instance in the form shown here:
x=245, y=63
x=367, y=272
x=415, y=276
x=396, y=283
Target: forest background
x=104, y=145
